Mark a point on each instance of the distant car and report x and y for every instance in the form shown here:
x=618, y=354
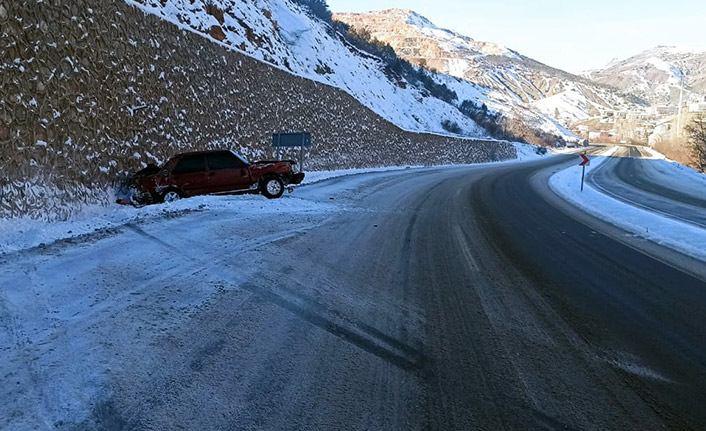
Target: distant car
x=541, y=151
x=211, y=172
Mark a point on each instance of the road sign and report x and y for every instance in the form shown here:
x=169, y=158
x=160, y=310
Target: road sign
x=585, y=160
x=280, y=140
x=292, y=140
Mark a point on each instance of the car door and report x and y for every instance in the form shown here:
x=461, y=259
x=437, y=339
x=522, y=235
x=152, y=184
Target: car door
x=227, y=173
x=190, y=175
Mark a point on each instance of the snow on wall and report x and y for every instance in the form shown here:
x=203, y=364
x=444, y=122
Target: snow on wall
x=92, y=90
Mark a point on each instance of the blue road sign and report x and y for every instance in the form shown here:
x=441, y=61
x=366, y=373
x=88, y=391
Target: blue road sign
x=280, y=140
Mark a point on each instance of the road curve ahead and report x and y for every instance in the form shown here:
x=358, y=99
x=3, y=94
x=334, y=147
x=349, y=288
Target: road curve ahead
x=447, y=299
x=643, y=318
x=629, y=177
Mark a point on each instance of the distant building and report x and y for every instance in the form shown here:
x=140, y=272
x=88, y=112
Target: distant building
x=600, y=136
x=697, y=107
x=665, y=110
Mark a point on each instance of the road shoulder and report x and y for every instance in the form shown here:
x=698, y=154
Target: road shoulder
x=637, y=228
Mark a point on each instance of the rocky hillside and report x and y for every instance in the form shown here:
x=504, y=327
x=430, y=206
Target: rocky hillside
x=656, y=74
x=558, y=94
x=282, y=33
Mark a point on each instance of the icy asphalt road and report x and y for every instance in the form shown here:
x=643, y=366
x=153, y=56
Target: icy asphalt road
x=635, y=178
x=450, y=298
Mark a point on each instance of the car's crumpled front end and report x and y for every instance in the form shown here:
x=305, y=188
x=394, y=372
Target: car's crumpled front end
x=296, y=178
x=284, y=168
x=143, y=186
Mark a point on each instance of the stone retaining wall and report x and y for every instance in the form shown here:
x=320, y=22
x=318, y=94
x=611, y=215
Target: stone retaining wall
x=93, y=89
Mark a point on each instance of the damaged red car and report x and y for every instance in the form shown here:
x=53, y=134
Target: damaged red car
x=211, y=172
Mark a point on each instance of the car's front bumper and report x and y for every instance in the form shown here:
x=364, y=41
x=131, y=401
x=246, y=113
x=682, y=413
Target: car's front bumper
x=297, y=178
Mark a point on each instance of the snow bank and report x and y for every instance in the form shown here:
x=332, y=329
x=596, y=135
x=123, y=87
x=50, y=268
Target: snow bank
x=675, y=175
x=670, y=233
x=527, y=152
x=23, y=233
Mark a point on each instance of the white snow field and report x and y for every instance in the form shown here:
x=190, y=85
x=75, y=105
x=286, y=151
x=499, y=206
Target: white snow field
x=658, y=228
x=98, y=283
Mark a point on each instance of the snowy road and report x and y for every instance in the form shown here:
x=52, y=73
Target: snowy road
x=634, y=177
x=446, y=298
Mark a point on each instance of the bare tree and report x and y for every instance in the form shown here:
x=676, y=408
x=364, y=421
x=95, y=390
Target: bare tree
x=696, y=131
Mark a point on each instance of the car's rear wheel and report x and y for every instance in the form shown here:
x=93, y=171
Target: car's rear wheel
x=272, y=188
x=171, y=196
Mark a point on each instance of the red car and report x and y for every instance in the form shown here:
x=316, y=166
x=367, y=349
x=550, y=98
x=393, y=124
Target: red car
x=211, y=172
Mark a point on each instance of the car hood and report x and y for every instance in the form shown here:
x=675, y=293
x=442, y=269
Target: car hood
x=151, y=169
x=262, y=163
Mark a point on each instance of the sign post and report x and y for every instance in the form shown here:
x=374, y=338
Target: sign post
x=585, y=162
x=292, y=140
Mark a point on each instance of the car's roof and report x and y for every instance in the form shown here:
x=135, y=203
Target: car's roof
x=196, y=153
x=206, y=152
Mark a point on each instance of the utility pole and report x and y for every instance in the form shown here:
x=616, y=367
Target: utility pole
x=681, y=100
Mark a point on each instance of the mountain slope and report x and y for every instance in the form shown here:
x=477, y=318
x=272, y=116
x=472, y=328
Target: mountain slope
x=280, y=32
x=656, y=74
x=416, y=39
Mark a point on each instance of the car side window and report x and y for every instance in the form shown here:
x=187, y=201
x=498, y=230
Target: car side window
x=220, y=161
x=190, y=165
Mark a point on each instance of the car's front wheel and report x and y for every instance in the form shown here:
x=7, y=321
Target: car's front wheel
x=272, y=188
x=171, y=196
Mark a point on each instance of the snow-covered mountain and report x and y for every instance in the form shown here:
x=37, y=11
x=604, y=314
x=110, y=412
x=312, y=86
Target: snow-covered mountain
x=656, y=74
x=417, y=39
x=282, y=33
x=558, y=94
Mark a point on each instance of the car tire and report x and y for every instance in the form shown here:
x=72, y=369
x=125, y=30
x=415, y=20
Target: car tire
x=171, y=195
x=272, y=187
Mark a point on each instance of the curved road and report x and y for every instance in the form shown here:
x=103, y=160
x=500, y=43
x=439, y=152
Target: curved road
x=627, y=177
x=452, y=299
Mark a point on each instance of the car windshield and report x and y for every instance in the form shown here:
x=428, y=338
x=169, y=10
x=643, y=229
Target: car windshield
x=242, y=159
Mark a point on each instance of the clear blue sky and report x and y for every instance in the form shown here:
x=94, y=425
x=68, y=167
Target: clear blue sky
x=573, y=36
